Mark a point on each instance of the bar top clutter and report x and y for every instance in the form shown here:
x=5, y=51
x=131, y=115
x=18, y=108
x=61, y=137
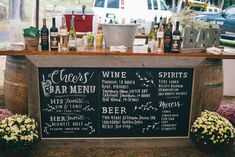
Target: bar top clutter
x=135, y=51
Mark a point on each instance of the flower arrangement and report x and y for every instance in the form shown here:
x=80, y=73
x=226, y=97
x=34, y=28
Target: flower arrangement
x=212, y=129
x=188, y=20
x=227, y=111
x=18, y=132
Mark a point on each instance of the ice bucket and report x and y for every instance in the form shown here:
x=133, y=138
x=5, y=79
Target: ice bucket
x=119, y=34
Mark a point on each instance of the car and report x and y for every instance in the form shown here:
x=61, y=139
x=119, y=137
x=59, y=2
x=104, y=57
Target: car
x=3, y=11
x=197, y=5
x=129, y=11
x=226, y=21
x=213, y=9
x=203, y=7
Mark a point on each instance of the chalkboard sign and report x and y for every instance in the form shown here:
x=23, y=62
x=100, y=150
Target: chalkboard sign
x=115, y=102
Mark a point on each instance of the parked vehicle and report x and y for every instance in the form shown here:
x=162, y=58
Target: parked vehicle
x=141, y=11
x=203, y=7
x=213, y=9
x=3, y=11
x=197, y=5
x=226, y=21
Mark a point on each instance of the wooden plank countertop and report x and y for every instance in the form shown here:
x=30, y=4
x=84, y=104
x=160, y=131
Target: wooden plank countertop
x=135, y=51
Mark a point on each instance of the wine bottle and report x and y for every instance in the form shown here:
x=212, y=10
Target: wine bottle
x=155, y=22
x=152, y=39
x=63, y=36
x=171, y=24
x=176, y=42
x=168, y=38
x=160, y=37
x=99, y=36
x=54, y=36
x=164, y=23
x=72, y=35
x=44, y=37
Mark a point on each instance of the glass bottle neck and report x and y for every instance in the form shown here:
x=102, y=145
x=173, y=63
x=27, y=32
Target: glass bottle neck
x=177, y=26
x=53, y=22
x=72, y=23
x=44, y=22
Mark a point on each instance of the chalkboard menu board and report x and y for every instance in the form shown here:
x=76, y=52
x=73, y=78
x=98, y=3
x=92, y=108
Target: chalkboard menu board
x=115, y=102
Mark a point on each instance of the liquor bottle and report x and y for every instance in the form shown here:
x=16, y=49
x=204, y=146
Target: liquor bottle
x=171, y=24
x=168, y=38
x=63, y=36
x=164, y=23
x=99, y=36
x=72, y=35
x=54, y=36
x=176, y=43
x=44, y=36
x=155, y=22
x=152, y=39
x=160, y=37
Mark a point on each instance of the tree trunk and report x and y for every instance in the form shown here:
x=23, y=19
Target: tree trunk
x=179, y=5
x=22, y=10
x=17, y=9
x=221, y=4
x=12, y=9
x=173, y=5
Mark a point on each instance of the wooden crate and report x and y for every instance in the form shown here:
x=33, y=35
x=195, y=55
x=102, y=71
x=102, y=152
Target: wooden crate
x=201, y=39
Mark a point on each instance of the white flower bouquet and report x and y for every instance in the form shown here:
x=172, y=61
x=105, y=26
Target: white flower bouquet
x=18, y=132
x=212, y=129
x=188, y=20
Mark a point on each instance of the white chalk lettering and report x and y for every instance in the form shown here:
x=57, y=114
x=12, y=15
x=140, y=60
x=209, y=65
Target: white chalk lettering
x=114, y=74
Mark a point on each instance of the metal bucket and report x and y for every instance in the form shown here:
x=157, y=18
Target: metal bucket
x=119, y=34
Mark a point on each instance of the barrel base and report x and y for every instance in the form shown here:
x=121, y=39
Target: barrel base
x=15, y=85
x=213, y=86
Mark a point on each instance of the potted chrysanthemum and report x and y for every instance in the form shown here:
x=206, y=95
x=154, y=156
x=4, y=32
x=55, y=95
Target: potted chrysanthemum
x=4, y=113
x=211, y=131
x=18, y=133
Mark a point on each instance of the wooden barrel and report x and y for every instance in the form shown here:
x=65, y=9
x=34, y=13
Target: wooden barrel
x=15, y=85
x=213, y=87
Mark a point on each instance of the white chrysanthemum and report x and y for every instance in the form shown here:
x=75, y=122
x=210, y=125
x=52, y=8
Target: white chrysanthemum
x=22, y=128
x=28, y=120
x=4, y=121
x=28, y=127
x=33, y=126
x=10, y=123
x=19, y=119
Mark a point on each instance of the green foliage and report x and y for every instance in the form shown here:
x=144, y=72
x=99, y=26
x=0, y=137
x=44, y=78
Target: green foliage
x=228, y=3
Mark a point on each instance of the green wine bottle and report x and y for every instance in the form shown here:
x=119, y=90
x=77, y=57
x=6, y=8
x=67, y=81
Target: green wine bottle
x=72, y=35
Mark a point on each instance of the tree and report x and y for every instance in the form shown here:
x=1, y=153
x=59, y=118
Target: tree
x=17, y=9
x=228, y=3
x=179, y=5
x=221, y=4
x=22, y=10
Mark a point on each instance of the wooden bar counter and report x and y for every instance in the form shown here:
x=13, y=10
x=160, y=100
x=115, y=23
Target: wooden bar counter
x=53, y=77
x=135, y=51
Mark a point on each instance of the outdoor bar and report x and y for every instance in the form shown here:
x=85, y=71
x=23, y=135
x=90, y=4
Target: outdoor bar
x=101, y=94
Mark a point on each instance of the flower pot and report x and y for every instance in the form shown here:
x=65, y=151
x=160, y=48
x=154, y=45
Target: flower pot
x=206, y=148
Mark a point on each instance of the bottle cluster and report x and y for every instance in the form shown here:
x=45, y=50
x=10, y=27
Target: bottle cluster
x=58, y=38
x=162, y=38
